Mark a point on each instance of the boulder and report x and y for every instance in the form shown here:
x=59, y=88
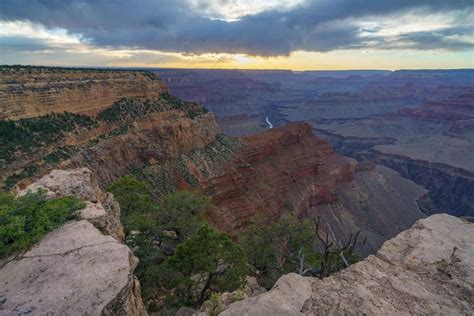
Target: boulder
x=74, y=270
x=425, y=270
x=287, y=297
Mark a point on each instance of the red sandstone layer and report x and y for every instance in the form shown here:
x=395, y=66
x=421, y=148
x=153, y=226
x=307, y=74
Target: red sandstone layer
x=282, y=169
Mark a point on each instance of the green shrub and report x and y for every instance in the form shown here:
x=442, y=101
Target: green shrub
x=283, y=246
x=210, y=254
x=272, y=248
x=24, y=220
x=137, y=207
x=13, y=179
x=62, y=153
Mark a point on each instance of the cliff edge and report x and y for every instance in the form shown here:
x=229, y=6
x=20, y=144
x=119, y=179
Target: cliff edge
x=35, y=91
x=425, y=270
x=81, y=268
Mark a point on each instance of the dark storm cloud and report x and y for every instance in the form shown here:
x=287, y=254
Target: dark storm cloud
x=172, y=25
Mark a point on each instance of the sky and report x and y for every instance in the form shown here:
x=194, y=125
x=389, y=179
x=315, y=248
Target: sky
x=248, y=34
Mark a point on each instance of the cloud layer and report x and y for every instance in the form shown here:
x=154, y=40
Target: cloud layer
x=319, y=26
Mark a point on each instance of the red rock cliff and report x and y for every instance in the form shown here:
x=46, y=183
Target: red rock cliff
x=282, y=169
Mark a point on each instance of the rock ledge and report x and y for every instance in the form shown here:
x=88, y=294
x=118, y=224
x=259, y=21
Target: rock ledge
x=81, y=268
x=425, y=270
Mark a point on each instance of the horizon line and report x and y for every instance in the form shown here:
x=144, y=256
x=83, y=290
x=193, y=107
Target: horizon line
x=217, y=68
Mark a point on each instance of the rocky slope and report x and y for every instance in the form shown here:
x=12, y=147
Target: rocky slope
x=448, y=176
x=35, y=91
x=159, y=138
x=81, y=268
x=425, y=270
x=284, y=169
x=31, y=147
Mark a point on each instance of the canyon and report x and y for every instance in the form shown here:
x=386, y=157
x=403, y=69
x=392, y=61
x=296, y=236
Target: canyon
x=416, y=122
x=172, y=144
x=97, y=135
x=289, y=169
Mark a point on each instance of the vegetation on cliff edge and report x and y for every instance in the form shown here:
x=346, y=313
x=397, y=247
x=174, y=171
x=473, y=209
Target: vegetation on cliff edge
x=24, y=220
x=183, y=260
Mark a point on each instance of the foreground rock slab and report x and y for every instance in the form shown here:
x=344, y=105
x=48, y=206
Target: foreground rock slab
x=74, y=270
x=81, y=268
x=425, y=270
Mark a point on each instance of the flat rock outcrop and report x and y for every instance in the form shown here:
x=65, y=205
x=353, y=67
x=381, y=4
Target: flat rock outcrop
x=425, y=270
x=74, y=270
x=35, y=91
x=81, y=268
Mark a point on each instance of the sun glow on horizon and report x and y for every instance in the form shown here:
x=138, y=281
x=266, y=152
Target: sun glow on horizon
x=58, y=47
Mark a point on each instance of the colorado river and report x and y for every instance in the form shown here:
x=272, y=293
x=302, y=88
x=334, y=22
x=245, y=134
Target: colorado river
x=270, y=125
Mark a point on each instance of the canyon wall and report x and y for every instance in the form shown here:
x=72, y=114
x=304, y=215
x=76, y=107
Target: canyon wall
x=173, y=145
x=450, y=188
x=158, y=138
x=284, y=169
x=115, y=122
x=288, y=169
x=35, y=91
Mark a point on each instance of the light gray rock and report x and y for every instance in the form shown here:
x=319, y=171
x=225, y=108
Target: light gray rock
x=287, y=297
x=425, y=270
x=102, y=209
x=82, y=268
x=214, y=306
x=74, y=270
x=79, y=182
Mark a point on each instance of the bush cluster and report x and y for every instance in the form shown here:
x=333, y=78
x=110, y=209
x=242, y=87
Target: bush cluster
x=182, y=259
x=24, y=220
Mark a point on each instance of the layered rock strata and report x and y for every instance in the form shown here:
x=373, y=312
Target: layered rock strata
x=285, y=169
x=159, y=138
x=35, y=91
x=451, y=188
x=288, y=169
x=426, y=270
